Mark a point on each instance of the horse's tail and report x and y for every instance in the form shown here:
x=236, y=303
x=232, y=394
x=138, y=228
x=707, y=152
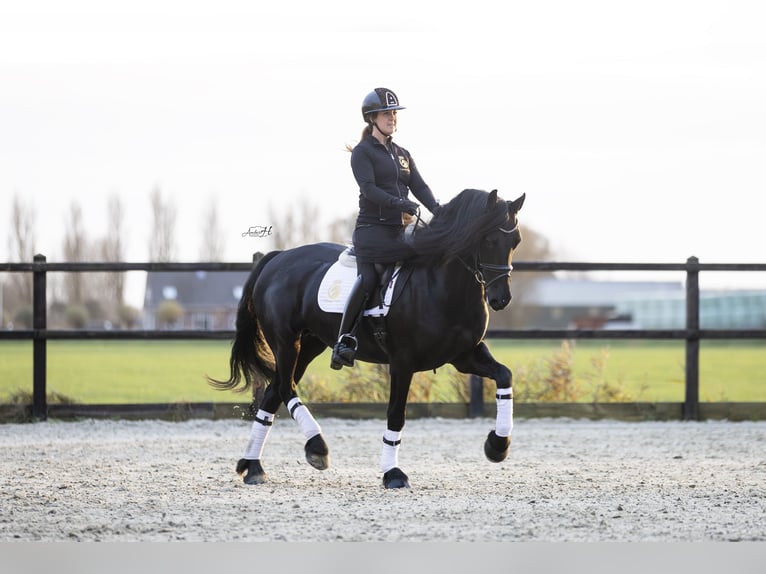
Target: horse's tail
x=251, y=357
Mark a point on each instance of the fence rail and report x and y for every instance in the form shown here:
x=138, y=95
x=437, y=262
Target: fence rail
x=692, y=334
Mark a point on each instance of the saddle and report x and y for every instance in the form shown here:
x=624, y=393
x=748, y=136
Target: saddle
x=339, y=279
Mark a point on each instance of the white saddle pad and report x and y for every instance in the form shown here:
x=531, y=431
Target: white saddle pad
x=337, y=283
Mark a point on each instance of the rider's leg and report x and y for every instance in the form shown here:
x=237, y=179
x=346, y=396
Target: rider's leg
x=345, y=349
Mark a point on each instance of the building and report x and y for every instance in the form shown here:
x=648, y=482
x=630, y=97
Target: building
x=718, y=310
x=207, y=300
x=553, y=303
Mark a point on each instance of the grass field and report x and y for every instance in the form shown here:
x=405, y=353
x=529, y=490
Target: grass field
x=92, y=372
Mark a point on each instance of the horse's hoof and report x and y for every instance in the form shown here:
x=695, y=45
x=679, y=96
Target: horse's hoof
x=395, y=478
x=317, y=453
x=252, y=470
x=496, y=447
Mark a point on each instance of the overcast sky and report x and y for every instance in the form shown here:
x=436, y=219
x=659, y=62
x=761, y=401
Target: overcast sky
x=636, y=129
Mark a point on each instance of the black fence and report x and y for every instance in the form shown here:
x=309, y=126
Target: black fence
x=692, y=334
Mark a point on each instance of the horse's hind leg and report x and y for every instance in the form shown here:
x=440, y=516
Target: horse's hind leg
x=317, y=453
x=311, y=348
x=250, y=464
x=479, y=361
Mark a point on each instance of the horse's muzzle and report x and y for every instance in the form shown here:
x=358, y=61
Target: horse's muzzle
x=499, y=301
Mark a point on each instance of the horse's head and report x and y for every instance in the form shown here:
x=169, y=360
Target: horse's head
x=493, y=265
x=480, y=231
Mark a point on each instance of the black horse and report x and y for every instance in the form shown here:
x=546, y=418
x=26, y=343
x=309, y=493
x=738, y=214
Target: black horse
x=440, y=316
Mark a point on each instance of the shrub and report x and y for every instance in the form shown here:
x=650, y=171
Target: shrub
x=602, y=390
x=77, y=316
x=548, y=379
x=23, y=317
x=169, y=312
x=22, y=401
x=127, y=315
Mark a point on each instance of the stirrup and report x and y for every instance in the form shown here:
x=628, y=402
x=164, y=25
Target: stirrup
x=351, y=344
x=344, y=352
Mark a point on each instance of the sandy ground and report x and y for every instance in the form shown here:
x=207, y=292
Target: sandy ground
x=564, y=480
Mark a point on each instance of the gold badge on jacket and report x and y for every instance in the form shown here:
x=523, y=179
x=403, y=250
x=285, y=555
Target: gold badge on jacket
x=404, y=163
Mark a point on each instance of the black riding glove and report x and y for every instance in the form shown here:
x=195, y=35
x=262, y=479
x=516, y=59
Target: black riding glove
x=406, y=206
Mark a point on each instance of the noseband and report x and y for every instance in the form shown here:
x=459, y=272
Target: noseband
x=502, y=271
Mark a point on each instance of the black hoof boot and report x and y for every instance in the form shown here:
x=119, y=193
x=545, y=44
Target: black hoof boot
x=252, y=470
x=395, y=478
x=317, y=453
x=496, y=447
x=343, y=353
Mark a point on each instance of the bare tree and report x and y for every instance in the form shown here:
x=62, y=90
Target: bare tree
x=75, y=249
x=297, y=226
x=162, y=241
x=21, y=241
x=212, y=246
x=16, y=295
x=341, y=230
x=112, y=250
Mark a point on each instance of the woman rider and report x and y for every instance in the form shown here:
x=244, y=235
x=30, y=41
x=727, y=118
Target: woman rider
x=385, y=173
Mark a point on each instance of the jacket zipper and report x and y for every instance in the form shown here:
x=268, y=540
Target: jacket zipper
x=396, y=170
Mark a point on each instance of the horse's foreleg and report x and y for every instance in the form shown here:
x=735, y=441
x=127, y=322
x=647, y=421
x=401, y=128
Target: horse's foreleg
x=499, y=440
x=393, y=476
x=481, y=362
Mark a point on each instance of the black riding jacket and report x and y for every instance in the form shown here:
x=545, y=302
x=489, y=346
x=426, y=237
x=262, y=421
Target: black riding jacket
x=386, y=174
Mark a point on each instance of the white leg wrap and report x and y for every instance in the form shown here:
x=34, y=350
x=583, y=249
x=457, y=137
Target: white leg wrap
x=504, y=422
x=389, y=458
x=306, y=422
x=258, y=435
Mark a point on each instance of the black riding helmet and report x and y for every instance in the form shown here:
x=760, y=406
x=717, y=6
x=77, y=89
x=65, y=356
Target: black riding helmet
x=379, y=100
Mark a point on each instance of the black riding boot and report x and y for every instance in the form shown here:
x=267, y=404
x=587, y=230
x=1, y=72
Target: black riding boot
x=345, y=349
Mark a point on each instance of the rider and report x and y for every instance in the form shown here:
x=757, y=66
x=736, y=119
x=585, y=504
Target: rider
x=385, y=173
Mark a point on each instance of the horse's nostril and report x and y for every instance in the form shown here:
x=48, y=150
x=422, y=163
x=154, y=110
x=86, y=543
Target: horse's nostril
x=500, y=303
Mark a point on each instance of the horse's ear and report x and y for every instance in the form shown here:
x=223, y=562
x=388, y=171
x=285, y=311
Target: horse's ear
x=515, y=206
x=492, y=199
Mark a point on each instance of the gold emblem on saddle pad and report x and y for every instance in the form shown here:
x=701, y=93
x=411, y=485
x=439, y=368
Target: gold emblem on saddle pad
x=334, y=290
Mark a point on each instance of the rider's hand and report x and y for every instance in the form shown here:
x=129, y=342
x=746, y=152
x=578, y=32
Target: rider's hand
x=407, y=206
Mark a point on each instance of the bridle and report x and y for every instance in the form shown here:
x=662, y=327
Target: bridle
x=478, y=269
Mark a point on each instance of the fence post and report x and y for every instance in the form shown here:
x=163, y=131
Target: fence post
x=39, y=343
x=691, y=400
x=476, y=401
